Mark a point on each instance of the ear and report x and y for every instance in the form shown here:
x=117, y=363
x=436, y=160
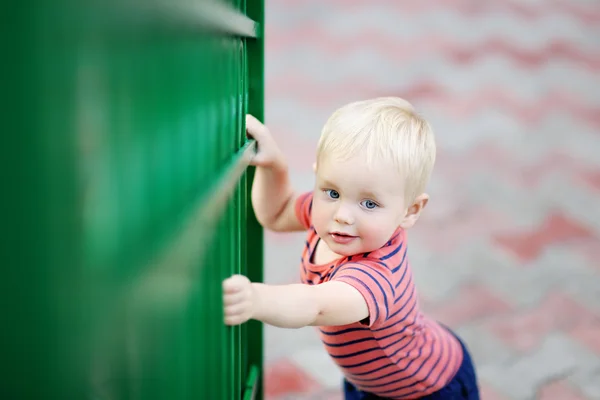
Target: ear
x=314, y=167
x=414, y=211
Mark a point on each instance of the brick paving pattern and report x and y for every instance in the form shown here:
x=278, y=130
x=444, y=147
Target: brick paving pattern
x=508, y=251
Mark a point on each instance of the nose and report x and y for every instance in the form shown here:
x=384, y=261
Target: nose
x=343, y=215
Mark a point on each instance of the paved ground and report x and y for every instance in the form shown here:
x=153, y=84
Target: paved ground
x=508, y=250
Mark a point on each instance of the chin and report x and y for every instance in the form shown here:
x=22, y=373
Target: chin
x=344, y=250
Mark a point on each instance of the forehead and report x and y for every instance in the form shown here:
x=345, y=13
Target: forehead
x=356, y=174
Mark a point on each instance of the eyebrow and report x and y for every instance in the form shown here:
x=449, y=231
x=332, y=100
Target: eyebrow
x=363, y=193
x=369, y=194
x=327, y=183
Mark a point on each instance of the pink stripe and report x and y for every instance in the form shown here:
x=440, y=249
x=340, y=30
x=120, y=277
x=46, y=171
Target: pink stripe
x=348, y=337
x=330, y=96
x=458, y=52
x=586, y=14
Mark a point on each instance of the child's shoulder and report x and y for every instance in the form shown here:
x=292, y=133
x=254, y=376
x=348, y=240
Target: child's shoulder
x=303, y=208
x=389, y=257
x=393, y=249
x=366, y=263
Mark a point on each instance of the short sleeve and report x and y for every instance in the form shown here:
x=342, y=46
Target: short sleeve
x=303, y=208
x=373, y=280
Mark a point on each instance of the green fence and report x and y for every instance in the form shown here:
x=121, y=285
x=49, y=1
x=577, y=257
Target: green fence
x=126, y=199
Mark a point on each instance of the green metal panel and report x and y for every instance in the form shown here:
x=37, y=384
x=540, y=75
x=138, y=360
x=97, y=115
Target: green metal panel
x=126, y=199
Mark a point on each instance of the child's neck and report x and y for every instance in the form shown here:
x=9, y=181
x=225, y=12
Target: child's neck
x=323, y=254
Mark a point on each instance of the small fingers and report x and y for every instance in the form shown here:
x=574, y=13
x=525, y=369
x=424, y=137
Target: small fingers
x=234, y=298
x=237, y=309
x=235, y=320
x=236, y=314
x=234, y=284
x=253, y=126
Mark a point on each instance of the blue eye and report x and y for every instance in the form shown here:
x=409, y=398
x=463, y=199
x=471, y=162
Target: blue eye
x=332, y=193
x=369, y=204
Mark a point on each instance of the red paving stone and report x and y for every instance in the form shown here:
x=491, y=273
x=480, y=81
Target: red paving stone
x=526, y=329
x=333, y=394
x=489, y=393
x=590, y=250
x=557, y=228
x=588, y=334
x=552, y=163
x=472, y=302
x=592, y=178
x=559, y=390
x=466, y=225
x=283, y=377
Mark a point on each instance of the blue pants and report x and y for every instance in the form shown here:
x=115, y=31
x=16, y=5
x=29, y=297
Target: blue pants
x=462, y=387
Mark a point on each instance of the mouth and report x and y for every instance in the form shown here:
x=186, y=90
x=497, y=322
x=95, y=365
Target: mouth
x=342, y=238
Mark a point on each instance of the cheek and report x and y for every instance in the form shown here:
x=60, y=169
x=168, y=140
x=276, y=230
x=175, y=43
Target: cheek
x=320, y=215
x=378, y=228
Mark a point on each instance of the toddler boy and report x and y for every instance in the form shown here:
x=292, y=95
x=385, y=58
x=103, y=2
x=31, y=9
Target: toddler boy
x=374, y=159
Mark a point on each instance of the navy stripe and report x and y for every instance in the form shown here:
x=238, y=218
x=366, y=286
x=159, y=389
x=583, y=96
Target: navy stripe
x=374, y=348
x=412, y=375
x=401, y=279
x=388, y=357
x=358, y=353
x=401, y=263
x=430, y=386
x=383, y=276
x=350, y=343
x=385, y=301
x=334, y=272
x=374, y=280
x=389, y=242
x=422, y=380
x=349, y=330
x=395, y=372
x=408, y=313
x=315, y=273
x=401, y=379
x=393, y=253
x=374, y=379
x=362, y=364
x=400, y=332
x=404, y=292
x=426, y=378
x=414, y=303
x=404, y=328
x=311, y=252
x=409, y=299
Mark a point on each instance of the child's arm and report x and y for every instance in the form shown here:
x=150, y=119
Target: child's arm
x=292, y=306
x=273, y=199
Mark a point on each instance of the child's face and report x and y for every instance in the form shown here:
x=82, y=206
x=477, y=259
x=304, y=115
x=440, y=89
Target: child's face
x=356, y=208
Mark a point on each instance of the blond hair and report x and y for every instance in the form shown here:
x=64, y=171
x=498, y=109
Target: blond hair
x=384, y=129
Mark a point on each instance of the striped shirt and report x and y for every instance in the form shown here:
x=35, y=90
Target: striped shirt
x=398, y=353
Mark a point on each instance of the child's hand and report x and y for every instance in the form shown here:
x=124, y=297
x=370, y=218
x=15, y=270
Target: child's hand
x=238, y=299
x=268, y=153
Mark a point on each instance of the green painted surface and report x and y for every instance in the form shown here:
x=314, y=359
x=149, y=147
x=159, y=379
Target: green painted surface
x=127, y=123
